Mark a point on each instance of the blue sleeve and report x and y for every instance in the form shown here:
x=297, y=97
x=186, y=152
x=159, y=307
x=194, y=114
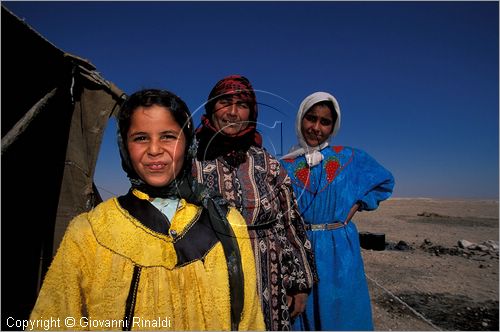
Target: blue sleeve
x=374, y=182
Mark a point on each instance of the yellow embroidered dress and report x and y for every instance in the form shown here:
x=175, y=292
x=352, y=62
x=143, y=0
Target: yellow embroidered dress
x=113, y=271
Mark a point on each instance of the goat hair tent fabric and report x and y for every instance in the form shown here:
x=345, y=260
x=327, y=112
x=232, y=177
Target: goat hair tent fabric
x=55, y=108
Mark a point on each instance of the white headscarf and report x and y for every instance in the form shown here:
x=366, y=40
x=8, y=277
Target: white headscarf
x=312, y=154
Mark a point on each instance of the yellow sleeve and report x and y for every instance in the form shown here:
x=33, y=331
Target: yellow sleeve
x=61, y=295
x=251, y=317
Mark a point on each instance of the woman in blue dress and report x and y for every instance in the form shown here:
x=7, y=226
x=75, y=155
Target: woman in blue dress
x=332, y=183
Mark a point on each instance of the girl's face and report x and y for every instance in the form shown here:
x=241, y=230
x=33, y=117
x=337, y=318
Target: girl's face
x=317, y=125
x=156, y=145
x=231, y=115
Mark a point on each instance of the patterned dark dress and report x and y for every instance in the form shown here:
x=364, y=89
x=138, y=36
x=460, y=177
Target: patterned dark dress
x=261, y=190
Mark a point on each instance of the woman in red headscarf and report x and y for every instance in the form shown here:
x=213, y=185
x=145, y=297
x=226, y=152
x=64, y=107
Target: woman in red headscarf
x=231, y=160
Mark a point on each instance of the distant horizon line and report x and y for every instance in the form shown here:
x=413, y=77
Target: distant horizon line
x=401, y=198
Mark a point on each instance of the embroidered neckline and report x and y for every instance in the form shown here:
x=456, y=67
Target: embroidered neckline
x=331, y=165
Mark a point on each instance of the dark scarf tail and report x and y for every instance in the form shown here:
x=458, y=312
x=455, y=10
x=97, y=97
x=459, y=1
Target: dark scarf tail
x=217, y=208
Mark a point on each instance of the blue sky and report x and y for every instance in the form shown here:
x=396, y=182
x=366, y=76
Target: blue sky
x=417, y=82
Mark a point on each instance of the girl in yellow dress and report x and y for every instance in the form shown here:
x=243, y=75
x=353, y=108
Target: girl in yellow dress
x=168, y=255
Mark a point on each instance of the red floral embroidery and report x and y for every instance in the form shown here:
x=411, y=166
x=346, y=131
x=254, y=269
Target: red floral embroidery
x=302, y=174
x=331, y=166
x=289, y=160
x=338, y=148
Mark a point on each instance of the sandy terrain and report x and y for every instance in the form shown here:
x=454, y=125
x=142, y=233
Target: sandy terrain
x=432, y=283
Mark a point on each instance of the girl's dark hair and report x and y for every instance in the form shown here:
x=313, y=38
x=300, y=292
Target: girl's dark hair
x=151, y=97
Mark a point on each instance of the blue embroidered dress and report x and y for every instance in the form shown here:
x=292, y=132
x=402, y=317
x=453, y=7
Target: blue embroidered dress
x=325, y=193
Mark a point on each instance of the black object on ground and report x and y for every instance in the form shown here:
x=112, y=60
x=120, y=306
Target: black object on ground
x=373, y=241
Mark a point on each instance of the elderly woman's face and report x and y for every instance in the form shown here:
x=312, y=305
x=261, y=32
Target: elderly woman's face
x=317, y=125
x=231, y=115
x=156, y=145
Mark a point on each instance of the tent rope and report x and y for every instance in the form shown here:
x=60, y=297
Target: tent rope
x=403, y=303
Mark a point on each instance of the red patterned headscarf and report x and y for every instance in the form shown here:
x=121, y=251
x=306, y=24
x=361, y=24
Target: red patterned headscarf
x=233, y=85
x=212, y=143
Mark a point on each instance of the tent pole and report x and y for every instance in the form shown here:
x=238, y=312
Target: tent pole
x=24, y=122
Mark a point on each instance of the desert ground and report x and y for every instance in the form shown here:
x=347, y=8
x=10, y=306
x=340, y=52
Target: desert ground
x=424, y=280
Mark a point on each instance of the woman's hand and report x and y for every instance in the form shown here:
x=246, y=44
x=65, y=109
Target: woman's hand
x=296, y=304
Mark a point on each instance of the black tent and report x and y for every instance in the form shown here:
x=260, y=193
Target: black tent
x=55, y=107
